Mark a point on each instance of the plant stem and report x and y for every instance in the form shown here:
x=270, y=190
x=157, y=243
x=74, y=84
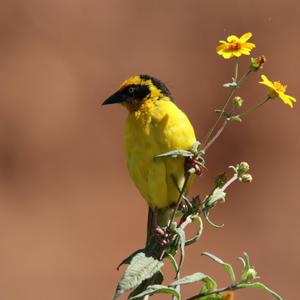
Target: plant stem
x=217, y=291
x=229, y=182
x=244, y=77
x=215, y=136
x=180, y=197
x=218, y=119
x=205, y=141
x=182, y=191
x=254, y=107
x=236, y=70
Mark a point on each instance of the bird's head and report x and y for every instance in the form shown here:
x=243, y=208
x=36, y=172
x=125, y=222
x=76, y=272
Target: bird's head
x=137, y=90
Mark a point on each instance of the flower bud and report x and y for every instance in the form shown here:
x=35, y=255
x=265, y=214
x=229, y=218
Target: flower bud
x=257, y=63
x=237, y=102
x=244, y=167
x=220, y=180
x=249, y=275
x=246, y=178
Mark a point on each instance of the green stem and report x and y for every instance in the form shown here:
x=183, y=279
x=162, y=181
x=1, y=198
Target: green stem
x=236, y=70
x=212, y=129
x=218, y=119
x=180, y=197
x=229, y=182
x=181, y=194
x=259, y=104
x=213, y=139
x=242, y=79
x=217, y=291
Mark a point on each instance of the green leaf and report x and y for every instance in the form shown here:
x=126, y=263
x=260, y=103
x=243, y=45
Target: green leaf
x=141, y=267
x=181, y=236
x=195, y=147
x=230, y=85
x=227, y=266
x=173, y=262
x=210, y=202
x=175, y=153
x=235, y=118
x=206, y=216
x=258, y=285
x=128, y=259
x=157, y=278
x=211, y=297
x=155, y=289
x=222, y=113
x=198, y=220
x=217, y=195
x=195, y=278
x=247, y=261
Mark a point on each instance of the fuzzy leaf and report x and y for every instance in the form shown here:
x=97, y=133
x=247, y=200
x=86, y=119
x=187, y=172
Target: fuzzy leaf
x=155, y=289
x=128, y=259
x=216, y=195
x=157, y=278
x=258, y=285
x=222, y=113
x=230, y=85
x=181, y=236
x=210, y=201
x=227, y=266
x=198, y=234
x=206, y=216
x=141, y=267
x=235, y=118
x=195, y=278
x=195, y=147
x=173, y=262
x=175, y=153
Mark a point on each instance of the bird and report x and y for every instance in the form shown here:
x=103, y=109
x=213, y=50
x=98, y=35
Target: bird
x=154, y=125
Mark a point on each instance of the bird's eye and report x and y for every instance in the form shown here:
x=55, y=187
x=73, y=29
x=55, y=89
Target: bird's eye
x=131, y=90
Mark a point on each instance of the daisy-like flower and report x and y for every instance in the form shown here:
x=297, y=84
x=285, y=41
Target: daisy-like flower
x=235, y=46
x=277, y=90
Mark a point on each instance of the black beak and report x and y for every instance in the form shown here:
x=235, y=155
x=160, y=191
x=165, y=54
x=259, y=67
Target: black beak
x=117, y=97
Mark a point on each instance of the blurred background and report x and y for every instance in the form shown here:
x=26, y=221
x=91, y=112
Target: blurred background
x=68, y=211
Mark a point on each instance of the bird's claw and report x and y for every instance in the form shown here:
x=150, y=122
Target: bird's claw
x=191, y=163
x=162, y=236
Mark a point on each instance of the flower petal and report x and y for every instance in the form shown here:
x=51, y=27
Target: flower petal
x=237, y=53
x=292, y=98
x=265, y=79
x=245, y=37
x=232, y=38
x=286, y=99
x=245, y=51
x=221, y=48
x=227, y=55
x=248, y=45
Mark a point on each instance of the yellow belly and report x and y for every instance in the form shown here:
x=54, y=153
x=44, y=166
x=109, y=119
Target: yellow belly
x=157, y=128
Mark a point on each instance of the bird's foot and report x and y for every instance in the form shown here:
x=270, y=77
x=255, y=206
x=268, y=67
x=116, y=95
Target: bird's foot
x=162, y=236
x=193, y=164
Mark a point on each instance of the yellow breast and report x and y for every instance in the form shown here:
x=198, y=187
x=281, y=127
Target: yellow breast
x=157, y=127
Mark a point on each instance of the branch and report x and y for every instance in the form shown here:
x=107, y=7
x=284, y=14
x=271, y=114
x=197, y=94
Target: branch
x=217, y=291
x=216, y=136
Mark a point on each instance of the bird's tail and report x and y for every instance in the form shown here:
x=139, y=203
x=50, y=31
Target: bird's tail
x=150, y=234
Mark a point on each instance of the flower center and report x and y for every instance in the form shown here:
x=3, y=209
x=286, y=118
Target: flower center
x=279, y=87
x=235, y=46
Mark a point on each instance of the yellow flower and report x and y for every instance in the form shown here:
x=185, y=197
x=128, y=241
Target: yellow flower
x=235, y=46
x=277, y=90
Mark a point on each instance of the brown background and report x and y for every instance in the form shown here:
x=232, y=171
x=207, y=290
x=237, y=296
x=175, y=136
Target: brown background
x=68, y=210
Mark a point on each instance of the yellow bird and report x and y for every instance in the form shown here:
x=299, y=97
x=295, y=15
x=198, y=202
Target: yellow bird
x=154, y=125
